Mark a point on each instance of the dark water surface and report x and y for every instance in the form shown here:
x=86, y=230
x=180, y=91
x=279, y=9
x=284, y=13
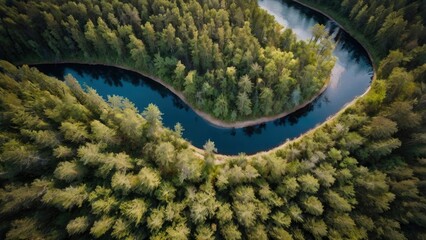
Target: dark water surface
x=350, y=78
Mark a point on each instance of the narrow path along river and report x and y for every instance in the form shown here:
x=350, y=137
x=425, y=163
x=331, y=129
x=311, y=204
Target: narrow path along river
x=351, y=77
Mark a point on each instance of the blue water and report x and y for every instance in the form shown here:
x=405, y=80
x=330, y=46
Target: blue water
x=350, y=78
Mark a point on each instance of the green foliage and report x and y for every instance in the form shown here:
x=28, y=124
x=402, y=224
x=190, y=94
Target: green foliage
x=120, y=229
x=316, y=227
x=153, y=115
x=190, y=168
x=134, y=210
x=16, y=198
x=204, y=233
x=360, y=176
x=378, y=198
x=69, y=171
x=21, y=156
x=325, y=174
x=402, y=114
x=281, y=219
x=24, y=228
x=121, y=182
x=280, y=233
x=230, y=232
x=308, y=183
x=313, y=206
x=66, y=198
x=165, y=156
x=101, y=226
x=337, y=202
x=78, y=225
x=244, y=104
x=75, y=132
x=221, y=107
x=224, y=213
x=149, y=179
x=383, y=26
x=103, y=133
x=43, y=138
x=205, y=49
x=62, y=152
x=155, y=220
x=289, y=187
x=381, y=128
x=245, y=213
x=167, y=190
x=101, y=201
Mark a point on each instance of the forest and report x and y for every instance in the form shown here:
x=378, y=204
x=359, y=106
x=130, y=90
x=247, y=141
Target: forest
x=76, y=166
x=229, y=58
x=382, y=26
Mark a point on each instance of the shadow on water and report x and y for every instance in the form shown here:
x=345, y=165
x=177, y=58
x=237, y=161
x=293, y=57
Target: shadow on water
x=352, y=78
x=112, y=76
x=256, y=129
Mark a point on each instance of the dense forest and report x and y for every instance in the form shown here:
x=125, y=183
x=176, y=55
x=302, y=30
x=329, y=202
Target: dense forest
x=383, y=25
x=229, y=58
x=73, y=165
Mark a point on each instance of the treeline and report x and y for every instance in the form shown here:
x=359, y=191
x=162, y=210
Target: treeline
x=390, y=24
x=391, y=122
x=229, y=58
x=75, y=166
x=392, y=116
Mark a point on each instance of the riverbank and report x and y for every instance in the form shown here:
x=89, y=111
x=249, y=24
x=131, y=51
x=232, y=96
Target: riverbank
x=374, y=58
x=247, y=123
x=220, y=158
x=277, y=145
x=209, y=118
x=344, y=24
x=330, y=120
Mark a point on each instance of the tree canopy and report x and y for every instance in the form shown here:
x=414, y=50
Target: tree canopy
x=225, y=56
x=73, y=165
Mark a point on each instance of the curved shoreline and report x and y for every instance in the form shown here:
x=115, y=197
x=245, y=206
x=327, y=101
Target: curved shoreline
x=247, y=123
x=207, y=117
x=220, y=158
x=370, y=56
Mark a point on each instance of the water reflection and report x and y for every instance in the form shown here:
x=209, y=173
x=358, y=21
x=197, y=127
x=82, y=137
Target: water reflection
x=256, y=129
x=351, y=77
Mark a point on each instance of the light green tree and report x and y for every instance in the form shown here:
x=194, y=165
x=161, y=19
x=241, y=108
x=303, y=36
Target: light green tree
x=70, y=171
x=74, y=131
x=313, y=206
x=244, y=104
x=134, y=210
x=101, y=226
x=78, y=225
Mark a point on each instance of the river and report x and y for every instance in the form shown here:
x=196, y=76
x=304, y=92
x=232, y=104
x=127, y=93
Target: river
x=350, y=78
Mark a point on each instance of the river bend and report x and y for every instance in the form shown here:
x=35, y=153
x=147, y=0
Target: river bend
x=350, y=78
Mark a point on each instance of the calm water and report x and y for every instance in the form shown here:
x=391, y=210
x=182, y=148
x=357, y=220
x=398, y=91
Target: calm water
x=350, y=78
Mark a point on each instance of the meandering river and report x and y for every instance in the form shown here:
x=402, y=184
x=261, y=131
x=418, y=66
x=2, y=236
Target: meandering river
x=350, y=78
